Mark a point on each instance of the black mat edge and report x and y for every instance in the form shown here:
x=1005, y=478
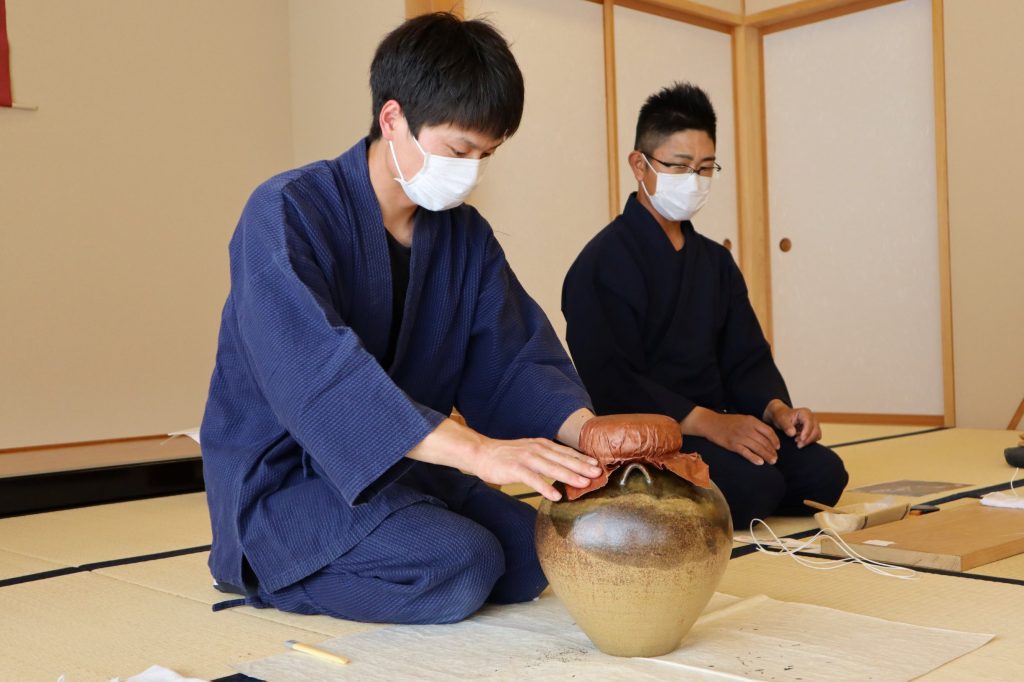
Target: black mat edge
x=53, y=491
x=85, y=568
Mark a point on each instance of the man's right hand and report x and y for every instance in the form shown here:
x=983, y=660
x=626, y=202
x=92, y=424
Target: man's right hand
x=531, y=461
x=747, y=436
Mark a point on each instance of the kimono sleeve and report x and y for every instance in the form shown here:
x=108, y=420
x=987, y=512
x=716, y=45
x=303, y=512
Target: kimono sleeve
x=749, y=373
x=605, y=336
x=325, y=389
x=517, y=380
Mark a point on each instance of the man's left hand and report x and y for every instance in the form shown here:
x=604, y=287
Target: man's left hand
x=798, y=422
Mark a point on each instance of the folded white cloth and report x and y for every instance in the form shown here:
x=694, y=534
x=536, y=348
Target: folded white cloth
x=1010, y=500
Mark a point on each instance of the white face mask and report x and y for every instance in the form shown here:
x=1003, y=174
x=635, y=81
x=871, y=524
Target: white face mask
x=678, y=197
x=444, y=181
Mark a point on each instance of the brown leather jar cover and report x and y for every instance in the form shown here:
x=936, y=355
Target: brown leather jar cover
x=620, y=439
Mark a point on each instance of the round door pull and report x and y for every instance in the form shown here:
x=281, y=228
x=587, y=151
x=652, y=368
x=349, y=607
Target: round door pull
x=727, y=243
x=785, y=245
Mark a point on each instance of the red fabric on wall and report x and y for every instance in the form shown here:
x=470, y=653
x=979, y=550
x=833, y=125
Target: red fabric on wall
x=5, y=59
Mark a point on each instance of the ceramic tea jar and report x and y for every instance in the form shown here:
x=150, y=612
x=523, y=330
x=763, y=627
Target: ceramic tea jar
x=636, y=560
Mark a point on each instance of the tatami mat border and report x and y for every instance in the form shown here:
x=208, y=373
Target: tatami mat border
x=920, y=569
x=746, y=550
x=102, y=564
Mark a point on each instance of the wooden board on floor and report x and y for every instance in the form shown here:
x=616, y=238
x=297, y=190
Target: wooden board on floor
x=957, y=539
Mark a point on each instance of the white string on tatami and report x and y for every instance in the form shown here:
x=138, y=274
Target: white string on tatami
x=823, y=564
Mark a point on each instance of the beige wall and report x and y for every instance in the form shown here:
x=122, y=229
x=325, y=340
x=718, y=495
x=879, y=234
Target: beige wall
x=332, y=44
x=117, y=198
x=157, y=118
x=546, y=190
x=986, y=146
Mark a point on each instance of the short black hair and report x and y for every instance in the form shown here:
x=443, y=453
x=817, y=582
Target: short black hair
x=442, y=69
x=680, y=106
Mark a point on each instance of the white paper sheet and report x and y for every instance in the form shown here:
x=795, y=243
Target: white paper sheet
x=188, y=433
x=750, y=639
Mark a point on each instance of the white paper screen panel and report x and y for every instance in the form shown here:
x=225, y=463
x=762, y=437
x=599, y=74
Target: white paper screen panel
x=851, y=167
x=652, y=52
x=545, y=191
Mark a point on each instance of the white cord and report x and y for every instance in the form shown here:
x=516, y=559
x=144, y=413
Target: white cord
x=1016, y=472
x=852, y=557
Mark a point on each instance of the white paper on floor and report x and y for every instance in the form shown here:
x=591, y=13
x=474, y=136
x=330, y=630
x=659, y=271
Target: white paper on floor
x=750, y=639
x=188, y=433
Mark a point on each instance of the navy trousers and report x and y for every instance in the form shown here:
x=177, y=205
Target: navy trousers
x=811, y=473
x=429, y=563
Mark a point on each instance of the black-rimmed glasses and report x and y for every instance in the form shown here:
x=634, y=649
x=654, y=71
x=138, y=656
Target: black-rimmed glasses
x=683, y=169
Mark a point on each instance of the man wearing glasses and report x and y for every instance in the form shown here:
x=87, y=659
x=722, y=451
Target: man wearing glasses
x=659, y=321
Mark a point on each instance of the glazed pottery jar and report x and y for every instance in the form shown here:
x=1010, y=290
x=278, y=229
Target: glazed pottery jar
x=637, y=560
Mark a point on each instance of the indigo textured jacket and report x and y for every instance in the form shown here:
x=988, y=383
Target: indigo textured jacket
x=305, y=433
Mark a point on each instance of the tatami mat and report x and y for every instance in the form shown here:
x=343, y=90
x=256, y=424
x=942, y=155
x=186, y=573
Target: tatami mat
x=109, y=531
x=1012, y=567
x=838, y=434
x=188, y=577
x=971, y=456
x=121, y=619
x=13, y=565
x=931, y=600
x=91, y=628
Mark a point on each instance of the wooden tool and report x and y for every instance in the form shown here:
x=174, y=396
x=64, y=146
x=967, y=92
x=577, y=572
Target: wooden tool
x=957, y=539
x=823, y=507
x=316, y=652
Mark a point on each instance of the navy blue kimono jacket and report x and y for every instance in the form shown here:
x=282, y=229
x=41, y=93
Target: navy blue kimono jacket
x=305, y=433
x=652, y=329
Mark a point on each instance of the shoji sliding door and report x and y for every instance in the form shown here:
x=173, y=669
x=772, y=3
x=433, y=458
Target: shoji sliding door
x=850, y=123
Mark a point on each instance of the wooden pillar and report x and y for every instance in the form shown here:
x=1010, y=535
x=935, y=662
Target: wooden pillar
x=611, y=106
x=942, y=194
x=752, y=180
